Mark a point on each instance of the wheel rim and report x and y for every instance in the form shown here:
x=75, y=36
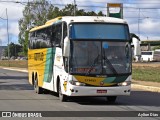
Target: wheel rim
x=35, y=86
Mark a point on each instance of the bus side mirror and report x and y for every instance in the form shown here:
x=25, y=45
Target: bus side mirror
x=130, y=40
x=131, y=37
x=66, y=48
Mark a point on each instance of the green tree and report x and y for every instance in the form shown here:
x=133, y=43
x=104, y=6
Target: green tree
x=156, y=47
x=38, y=12
x=68, y=10
x=34, y=14
x=14, y=49
x=100, y=13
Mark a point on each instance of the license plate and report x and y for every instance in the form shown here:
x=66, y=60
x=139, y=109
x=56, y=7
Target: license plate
x=101, y=91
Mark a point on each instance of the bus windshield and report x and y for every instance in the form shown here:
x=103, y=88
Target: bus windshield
x=99, y=31
x=100, y=58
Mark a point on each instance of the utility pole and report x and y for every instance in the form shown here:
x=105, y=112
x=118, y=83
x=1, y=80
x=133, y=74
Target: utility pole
x=8, y=38
x=139, y=23
x=0, y=42
x=29, y=15
x=74, y=7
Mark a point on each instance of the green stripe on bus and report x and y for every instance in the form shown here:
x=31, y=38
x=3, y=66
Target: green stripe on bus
x=49, y=64
x=118, y=79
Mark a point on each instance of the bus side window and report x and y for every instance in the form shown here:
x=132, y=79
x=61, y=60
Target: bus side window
x=34, y=40
x=45, y=38
x=38, y=39
x=53, y=35
x=64, y=30
x=58, y=34
x=31, y=40
x=48, y=37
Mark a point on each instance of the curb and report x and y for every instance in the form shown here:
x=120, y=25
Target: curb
x=16, y=69
x=147, y=88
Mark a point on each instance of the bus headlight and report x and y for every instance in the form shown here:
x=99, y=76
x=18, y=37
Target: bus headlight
x=126, y=83
x=77, y=83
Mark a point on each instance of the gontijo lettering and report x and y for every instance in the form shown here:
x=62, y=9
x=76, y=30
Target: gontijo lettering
x=90, y=80
x=39, y=56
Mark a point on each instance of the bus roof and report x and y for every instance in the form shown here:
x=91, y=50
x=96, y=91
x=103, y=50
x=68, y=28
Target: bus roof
x=92, y=19
x=70, y=19
x=47, y=24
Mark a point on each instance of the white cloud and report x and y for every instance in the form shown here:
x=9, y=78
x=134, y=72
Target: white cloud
x=14, y=28
x=133, y=27
x=13, y=31
x=151, y=29
x=3, y=35
x=148, y=29
x=14, y=11
x=150, y=26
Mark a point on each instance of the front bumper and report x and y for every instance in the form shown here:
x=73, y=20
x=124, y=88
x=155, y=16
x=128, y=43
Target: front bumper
x=92, y=91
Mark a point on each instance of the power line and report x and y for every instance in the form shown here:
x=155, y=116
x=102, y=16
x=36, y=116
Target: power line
x=124, y=2
x=90, y=6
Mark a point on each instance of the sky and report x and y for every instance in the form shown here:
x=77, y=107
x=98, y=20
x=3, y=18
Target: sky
x=142, y=13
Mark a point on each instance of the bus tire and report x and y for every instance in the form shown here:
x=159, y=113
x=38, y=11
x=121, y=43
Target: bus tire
x=37, y=89
x=111, y=98
x=62, y=97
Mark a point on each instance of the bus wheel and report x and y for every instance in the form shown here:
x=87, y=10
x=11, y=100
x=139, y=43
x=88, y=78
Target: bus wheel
x=37, y=89
x=62, y=97
x=111, y=98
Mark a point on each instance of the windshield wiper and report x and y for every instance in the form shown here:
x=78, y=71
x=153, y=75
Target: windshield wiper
x=109, y=63
x=91, y=67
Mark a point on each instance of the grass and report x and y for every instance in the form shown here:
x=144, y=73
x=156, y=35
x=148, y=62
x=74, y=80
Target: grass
x=14, y=63
x=146, y=73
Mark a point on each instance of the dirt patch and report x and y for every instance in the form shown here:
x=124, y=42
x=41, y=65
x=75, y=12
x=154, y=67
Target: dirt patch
x=146, y=64
x=146, y=83
x=14, y=63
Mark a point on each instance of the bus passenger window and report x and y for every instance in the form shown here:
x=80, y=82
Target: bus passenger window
x=53, y=35
x=64, y=30
x=58, y=34
x=32, y=37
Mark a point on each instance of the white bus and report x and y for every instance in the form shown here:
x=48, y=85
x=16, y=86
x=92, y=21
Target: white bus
x=150, y=55
x=81, y=56
x=147, y=56
x=156, y=56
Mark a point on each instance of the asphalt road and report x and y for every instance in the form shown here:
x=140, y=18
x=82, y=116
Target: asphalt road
x=16, y=94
